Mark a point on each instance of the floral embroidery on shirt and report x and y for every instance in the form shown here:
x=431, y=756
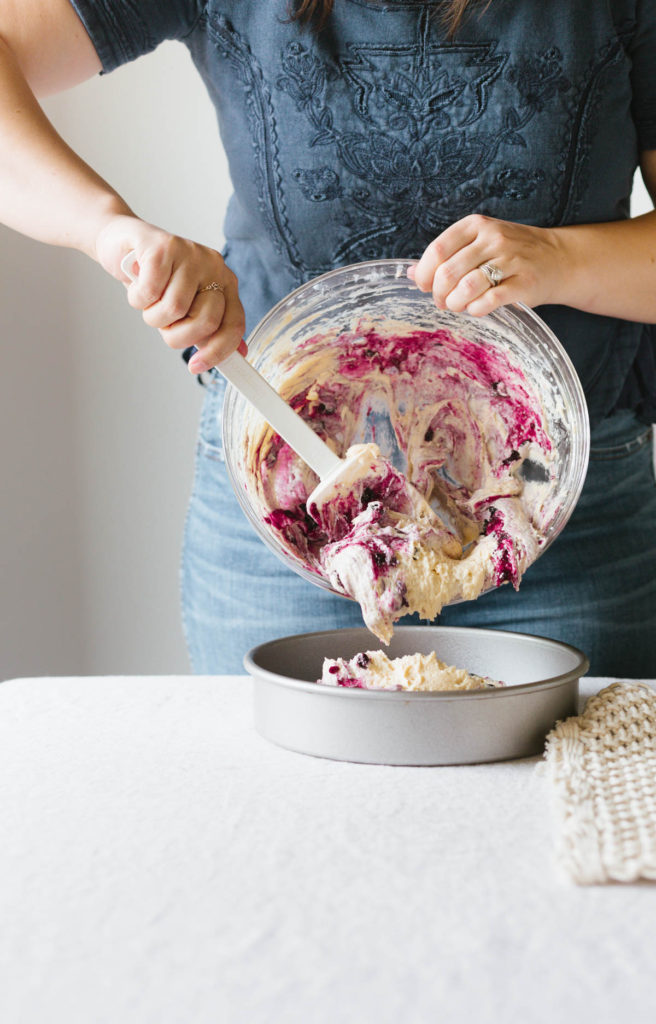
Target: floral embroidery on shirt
x=389, y=143
x=262, y=126
x=539, y=79
x=418, y=151
x=318, y=185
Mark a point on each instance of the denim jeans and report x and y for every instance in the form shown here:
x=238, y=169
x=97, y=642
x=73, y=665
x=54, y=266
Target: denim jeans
x=595, y=587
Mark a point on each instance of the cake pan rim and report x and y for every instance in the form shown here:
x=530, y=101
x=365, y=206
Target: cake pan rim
x=355, y=693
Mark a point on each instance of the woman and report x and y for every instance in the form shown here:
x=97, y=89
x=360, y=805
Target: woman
x=460, y=133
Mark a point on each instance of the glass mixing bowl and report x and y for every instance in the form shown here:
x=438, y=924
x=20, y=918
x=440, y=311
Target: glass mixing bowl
x=380, y=291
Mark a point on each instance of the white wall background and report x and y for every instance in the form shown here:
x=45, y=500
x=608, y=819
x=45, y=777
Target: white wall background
x=97, y=417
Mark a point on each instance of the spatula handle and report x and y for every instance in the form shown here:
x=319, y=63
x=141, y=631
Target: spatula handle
x=296, y=432
x=256, y=390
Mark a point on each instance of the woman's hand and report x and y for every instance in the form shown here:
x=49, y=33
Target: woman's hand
x=529, y=261
x=171, y=287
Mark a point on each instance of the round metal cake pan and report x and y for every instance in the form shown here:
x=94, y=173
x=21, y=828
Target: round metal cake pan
x=291, y=709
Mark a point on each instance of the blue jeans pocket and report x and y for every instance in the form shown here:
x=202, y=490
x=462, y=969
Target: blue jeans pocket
x=210, y=435
x=611, y=452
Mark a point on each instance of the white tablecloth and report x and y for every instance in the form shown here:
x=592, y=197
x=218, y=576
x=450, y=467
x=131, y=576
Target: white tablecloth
x=160, y=862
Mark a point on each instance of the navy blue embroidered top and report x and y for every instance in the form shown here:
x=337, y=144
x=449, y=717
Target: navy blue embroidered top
x=370, y=138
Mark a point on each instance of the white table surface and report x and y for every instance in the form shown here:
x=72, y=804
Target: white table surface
x=160, y=862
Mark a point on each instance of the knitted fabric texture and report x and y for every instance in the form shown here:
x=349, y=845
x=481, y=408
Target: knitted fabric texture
x=602, y=767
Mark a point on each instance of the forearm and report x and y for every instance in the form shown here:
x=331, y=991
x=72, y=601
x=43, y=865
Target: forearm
x=46, y=190
x=609, y=268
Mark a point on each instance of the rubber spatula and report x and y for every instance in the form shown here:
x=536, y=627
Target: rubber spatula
x=333, y=472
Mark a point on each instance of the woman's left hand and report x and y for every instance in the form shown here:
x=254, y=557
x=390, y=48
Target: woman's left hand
x=528, y=262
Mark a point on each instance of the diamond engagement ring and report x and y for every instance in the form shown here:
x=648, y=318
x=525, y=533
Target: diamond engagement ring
x=213, y=286
x=493, y=274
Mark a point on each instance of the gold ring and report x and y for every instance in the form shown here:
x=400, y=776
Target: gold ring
x=213, y=286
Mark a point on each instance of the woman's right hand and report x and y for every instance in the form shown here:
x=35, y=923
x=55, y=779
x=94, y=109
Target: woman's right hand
x=48, y=192
x=170, y=288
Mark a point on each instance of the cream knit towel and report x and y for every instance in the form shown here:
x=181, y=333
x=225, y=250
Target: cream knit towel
x=602, y=767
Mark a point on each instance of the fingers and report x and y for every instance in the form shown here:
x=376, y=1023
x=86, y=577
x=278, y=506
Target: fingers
x=175, y=301
x=450, y=266
x=198, y=323
x=191, y=297
x=169, y=280
x=154, y=268
x=227, y=335
x=442, y=248
x=459, y=280
x=469, y=284
x=492, y=299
